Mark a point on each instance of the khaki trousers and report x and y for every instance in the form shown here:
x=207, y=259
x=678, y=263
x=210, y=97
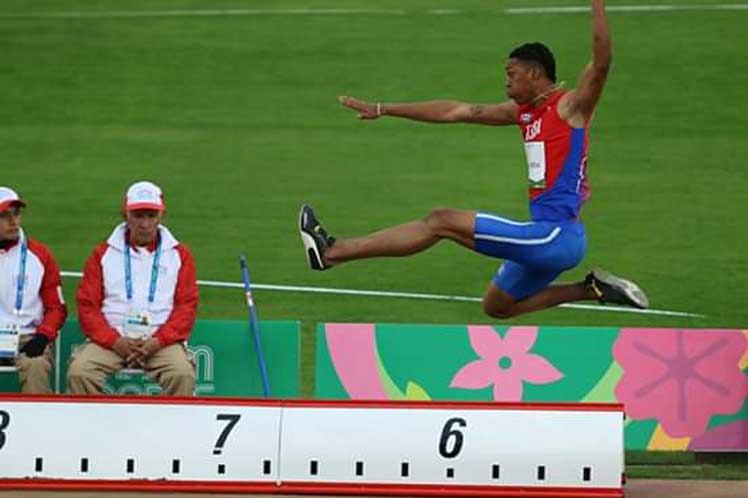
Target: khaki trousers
x=33, y=373
x=171, y=367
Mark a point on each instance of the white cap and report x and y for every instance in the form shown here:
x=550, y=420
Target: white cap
x=144, y=195
x=9, y=198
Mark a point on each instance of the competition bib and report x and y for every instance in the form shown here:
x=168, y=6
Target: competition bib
x=9, y=341
x=535, y=154
x=137, y=325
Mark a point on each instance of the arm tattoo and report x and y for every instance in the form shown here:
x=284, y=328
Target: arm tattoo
x=477, y=110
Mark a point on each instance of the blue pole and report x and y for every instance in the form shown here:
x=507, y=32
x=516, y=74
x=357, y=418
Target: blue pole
x=254, y=325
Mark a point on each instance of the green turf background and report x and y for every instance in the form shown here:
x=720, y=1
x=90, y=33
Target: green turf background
x=235, y=116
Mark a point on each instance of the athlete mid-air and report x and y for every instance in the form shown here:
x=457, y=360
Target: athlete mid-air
x=555, y=126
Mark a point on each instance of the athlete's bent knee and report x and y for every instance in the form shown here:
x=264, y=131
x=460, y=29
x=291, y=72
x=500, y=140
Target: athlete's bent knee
x=438, y=220
x=501, y=313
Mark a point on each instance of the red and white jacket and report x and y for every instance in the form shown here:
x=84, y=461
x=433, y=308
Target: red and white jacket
x=43, y=309
x=102, y=295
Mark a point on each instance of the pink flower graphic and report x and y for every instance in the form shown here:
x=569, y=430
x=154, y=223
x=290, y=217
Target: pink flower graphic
x=680, y=377
x=505, y=363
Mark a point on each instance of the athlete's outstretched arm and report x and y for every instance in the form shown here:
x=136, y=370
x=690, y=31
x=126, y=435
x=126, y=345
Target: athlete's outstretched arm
x=583, y=100
x=437, y=111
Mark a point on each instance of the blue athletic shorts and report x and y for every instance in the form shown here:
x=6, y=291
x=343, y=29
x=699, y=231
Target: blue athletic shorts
x=535, y=252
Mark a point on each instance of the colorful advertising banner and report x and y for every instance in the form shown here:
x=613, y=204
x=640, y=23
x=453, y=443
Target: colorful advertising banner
x=683, y=389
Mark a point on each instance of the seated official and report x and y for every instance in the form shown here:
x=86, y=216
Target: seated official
x=32, y=310
x=137, y=302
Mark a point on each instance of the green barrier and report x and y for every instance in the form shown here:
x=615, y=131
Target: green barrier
x=225, y=361
x=683, y=389
x=9, y=382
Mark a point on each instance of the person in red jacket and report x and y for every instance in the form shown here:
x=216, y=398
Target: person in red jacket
x=32, y=310
x=137, y=302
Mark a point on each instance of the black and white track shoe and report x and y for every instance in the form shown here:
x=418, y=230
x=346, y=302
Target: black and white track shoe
x=612, y=289
x=315, y=239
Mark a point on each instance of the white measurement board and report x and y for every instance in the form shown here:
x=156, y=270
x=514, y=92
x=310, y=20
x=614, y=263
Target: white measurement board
x=221, y=444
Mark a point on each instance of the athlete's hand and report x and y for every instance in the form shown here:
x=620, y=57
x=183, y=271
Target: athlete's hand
x=365, y=110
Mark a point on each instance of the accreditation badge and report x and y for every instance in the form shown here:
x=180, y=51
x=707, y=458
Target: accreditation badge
x=9, y=335
x=137, y=325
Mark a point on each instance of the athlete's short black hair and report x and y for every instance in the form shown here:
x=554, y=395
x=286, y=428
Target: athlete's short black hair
x=539, y=54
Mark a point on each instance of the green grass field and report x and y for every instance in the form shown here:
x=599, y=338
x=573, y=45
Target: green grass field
x=686, y=465
x=236, y=118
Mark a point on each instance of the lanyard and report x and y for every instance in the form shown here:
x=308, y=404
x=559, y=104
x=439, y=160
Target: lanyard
x=21, y=276
x=154, y=272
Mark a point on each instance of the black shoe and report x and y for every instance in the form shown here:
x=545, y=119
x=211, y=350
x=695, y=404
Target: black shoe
x=315, y=239
x=612, y=289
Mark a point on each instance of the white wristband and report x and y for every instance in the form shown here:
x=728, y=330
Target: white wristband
x=379, y=109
